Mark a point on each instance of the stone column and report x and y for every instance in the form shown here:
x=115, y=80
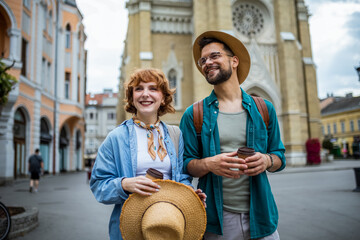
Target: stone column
x=15, y=43
x=291, y=82
x=145, y=39
x=310, y=82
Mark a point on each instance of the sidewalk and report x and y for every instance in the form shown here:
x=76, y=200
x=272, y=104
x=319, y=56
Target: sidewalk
x=318, y=202
x=341, y=164
x=311, y=206
x=67, y=208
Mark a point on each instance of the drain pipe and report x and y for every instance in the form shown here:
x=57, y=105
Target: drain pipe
x=55, y=84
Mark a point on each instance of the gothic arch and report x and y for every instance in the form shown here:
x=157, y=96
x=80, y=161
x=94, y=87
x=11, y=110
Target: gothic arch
x=265, y=92
x=171, y=67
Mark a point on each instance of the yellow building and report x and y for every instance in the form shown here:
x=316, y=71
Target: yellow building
x=45, y=41
x=340, y=119
x=276, y=33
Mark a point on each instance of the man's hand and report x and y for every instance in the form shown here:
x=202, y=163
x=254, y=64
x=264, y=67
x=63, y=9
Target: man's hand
x=141, y=185
x=227, y=165
x=257, y=164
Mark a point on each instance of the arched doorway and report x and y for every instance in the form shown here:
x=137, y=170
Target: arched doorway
x=45, y=140
x=78, y=150
x=19, y=132
x=63, y=150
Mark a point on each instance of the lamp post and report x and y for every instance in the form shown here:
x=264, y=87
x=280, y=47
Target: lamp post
x=358, y=71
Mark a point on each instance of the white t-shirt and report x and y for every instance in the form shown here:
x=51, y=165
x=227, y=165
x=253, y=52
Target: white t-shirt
x=144, y=160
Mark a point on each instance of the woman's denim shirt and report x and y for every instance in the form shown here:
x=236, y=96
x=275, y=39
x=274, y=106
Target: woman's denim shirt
x=117, y=159
x=263, y=211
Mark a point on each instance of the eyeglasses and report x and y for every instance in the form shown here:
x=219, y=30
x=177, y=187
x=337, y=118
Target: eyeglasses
x=212, y=56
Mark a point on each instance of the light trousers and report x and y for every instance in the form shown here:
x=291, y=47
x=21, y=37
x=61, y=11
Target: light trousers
x=236, y=226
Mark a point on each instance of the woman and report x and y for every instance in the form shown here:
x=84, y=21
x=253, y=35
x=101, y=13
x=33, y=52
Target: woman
x=138, y=144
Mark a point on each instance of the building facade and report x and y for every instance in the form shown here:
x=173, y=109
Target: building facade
x=45, y=39
x=340, y=119
x=276, y=34
x=100, y=117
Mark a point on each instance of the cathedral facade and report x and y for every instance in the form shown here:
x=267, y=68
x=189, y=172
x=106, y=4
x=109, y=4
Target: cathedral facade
x=276, y=33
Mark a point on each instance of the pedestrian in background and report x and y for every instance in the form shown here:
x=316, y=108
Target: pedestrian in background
x=36, y=166
x=138, y=144
x=240, y=204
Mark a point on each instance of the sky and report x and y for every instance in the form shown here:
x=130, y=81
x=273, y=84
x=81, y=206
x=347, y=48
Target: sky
x=334, y=29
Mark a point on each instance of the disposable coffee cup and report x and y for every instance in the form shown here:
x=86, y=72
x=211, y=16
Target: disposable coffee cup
x=244, y=152
x=154, y=174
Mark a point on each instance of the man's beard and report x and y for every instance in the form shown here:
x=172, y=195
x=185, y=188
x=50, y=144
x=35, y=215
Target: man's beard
x=221, y=77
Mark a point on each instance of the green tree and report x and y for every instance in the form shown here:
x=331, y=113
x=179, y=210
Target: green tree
x=327, y=144
x=7, y=82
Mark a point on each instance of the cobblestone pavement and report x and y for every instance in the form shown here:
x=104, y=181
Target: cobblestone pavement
x=314, y=202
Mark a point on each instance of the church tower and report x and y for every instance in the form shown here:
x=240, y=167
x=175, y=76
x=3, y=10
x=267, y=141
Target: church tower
x=276, y=33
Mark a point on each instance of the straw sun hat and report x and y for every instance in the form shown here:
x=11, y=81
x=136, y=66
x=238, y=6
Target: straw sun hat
x=236, y=47
x=174, y=212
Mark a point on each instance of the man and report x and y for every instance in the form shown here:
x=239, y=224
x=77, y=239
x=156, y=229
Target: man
x=240, y=204
x=36, y=165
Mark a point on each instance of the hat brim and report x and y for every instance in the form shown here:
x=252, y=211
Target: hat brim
x=180, y=195
x=236, y=46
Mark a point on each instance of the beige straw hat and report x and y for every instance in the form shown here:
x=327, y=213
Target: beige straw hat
x=236, y=47
x=174, y=212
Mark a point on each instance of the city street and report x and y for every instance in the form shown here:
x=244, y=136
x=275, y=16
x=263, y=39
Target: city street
x=314, y=202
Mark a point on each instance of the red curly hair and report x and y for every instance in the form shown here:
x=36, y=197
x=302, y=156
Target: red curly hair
x=149, y=75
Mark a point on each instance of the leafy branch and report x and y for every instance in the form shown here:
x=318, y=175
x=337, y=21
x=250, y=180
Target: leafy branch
x=7, y=82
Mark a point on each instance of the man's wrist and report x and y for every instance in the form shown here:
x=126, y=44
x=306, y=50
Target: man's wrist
x=271, y=161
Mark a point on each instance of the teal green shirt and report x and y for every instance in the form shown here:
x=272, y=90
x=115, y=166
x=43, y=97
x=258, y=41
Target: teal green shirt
x=263, y=211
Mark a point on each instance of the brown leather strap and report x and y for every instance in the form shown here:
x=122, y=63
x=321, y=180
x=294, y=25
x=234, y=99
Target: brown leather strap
x=198, y=121
x=261, y=106
x=198, y=116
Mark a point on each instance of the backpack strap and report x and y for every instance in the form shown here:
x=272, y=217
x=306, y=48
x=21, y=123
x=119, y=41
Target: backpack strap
x=198, y=110
x=174, y=132
x=263, y=110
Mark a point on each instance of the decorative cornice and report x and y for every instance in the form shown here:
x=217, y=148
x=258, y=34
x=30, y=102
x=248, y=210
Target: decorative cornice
x=171, y=24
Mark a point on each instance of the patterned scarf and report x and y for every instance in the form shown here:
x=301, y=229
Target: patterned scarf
x=150, y=137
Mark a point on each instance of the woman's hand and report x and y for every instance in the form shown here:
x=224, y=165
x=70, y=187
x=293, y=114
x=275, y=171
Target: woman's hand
x=141, y=185
x=201, y=195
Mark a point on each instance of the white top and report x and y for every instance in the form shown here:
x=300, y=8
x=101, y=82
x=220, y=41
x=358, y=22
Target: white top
x=144, y=160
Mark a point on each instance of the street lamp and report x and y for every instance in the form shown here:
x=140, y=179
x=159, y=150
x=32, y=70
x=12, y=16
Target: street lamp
x=358, y=71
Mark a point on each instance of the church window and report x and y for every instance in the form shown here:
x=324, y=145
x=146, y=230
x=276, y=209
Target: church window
x=67, y=85
x=248, y=19
x=68, y=36
x=24, y=49
x=172, y=76
x=342, y=127
x=352, y=129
